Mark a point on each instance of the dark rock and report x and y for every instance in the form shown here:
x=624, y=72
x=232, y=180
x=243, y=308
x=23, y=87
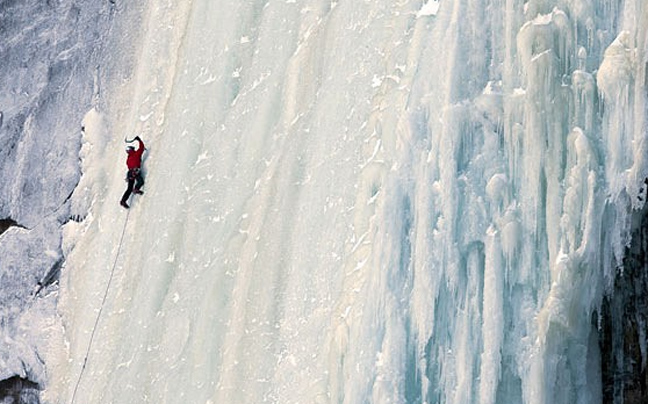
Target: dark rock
x=6, y=223
x=624, y=323
x=17, y=390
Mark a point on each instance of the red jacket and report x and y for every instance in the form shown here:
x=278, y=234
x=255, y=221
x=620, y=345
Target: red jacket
x=134, y=159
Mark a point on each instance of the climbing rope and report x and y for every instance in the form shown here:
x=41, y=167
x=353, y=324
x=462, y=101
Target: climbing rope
x=94, y=328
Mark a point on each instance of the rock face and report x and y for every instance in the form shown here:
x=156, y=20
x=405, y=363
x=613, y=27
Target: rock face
x=5, y=224
x=48, y=61
x=57, y=62
x=624, y=324
x=16, y=390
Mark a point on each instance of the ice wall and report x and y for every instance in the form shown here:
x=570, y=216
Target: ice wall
x=348, y=202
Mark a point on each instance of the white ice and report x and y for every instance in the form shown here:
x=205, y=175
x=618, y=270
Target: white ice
x=355, y=202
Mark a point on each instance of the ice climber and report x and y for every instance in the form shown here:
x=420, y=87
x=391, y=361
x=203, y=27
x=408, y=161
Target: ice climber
x=134, y=175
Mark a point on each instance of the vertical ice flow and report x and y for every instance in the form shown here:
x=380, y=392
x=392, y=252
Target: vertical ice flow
x=358, y=202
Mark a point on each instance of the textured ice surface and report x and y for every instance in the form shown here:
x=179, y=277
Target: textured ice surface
x=350, y=202
x=359, y=202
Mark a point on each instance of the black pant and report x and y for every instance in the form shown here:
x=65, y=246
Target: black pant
x=134, y=177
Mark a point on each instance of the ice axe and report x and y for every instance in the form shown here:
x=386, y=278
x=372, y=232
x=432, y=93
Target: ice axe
x=132, y=140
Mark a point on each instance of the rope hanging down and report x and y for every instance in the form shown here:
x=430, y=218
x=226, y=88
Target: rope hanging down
x=94, y=328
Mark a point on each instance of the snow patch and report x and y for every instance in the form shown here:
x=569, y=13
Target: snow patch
x=431, y=7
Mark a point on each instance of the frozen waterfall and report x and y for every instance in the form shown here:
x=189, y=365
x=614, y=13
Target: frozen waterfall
x=367, y=201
